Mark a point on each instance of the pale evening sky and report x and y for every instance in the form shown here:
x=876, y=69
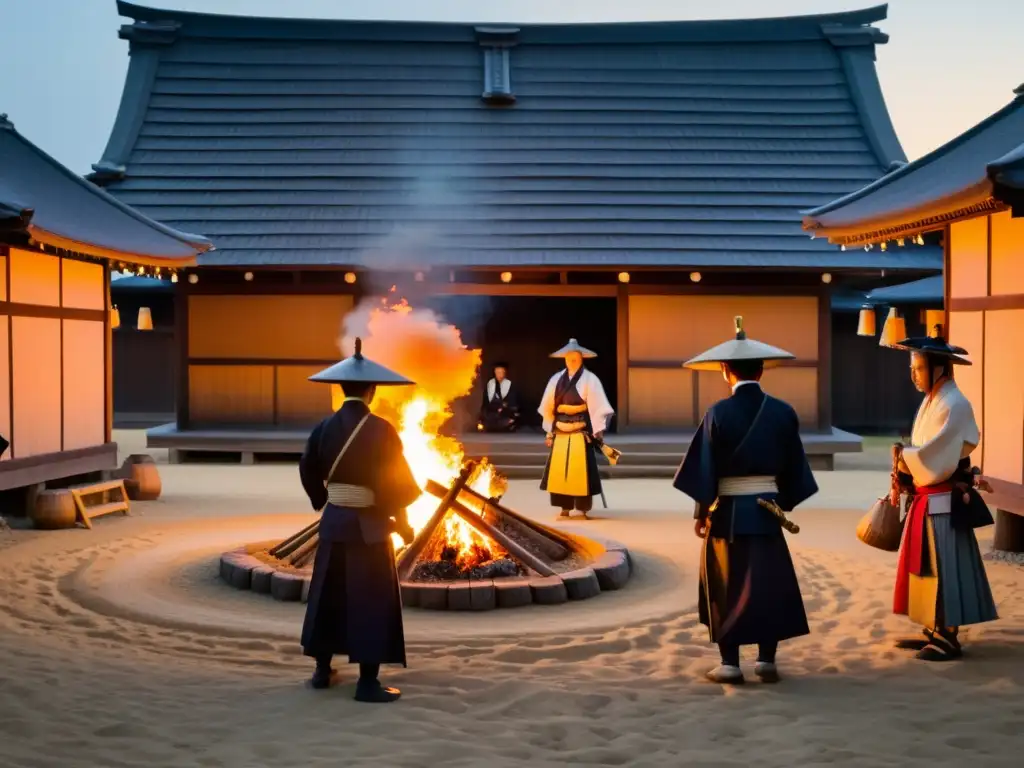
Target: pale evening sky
x=948, y=63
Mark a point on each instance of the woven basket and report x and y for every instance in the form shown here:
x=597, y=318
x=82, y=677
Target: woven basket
x=881, y=527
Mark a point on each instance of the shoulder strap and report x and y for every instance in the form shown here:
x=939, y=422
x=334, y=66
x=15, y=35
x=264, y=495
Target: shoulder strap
x=750, y=429
x=344, y=448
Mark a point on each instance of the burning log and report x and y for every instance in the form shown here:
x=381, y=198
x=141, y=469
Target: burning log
x=407, y=560
x=289, y=545
x=498, y=516
x=542, y=530
x=528, y=558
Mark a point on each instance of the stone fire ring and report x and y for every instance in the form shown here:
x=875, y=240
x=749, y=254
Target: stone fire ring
x=609, y=569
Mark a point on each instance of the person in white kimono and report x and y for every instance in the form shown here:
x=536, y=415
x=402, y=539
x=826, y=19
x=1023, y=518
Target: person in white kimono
x=499, y=411
x=575, y=413
x=941, y=582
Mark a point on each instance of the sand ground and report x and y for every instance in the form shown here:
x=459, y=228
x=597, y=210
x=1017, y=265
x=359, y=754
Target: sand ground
x=120, y=648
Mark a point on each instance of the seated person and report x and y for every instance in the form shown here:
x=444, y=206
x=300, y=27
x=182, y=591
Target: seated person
x=500, y=409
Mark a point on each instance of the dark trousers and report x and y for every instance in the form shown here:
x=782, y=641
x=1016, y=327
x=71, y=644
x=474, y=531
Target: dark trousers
x=367, y=672
x=731, y=653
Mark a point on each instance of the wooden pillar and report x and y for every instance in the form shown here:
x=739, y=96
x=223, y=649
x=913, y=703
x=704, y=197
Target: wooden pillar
x=181, y=339
x=824, y=359
x=108, y=361
x=622, y=354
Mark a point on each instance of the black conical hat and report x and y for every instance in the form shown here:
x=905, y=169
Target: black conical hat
x=359, y=368
x=934, y=345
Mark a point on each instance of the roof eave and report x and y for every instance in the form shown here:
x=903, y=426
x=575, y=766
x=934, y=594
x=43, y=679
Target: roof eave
x=975, y=200
x=55, y=240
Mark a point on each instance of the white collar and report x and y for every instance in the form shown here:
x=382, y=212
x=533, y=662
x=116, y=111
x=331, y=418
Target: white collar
x=739, y=384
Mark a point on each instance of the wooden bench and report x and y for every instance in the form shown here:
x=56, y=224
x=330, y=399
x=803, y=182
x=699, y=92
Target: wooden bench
x=98, y=499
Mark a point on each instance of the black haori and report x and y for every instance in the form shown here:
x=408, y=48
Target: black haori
x=355, y=604
x=749, y=592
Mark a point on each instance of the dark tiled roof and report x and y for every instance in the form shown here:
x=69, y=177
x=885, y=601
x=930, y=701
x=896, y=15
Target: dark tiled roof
x=954, y=180
x=928, y=290
x=297, y=142
x=42, y=199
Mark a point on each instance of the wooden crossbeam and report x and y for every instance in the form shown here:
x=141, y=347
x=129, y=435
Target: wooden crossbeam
x=407, y=560
x=528, y=559
x=85, y=498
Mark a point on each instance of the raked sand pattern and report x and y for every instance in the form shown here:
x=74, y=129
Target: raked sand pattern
x=120, y=647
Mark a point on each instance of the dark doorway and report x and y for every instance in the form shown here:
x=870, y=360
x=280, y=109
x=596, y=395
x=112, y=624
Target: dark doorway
x=523, y=331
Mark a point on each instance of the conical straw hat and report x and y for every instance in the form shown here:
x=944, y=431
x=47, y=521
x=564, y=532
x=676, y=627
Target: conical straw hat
x=573, y=346
x=359, y=368
x=740, y=348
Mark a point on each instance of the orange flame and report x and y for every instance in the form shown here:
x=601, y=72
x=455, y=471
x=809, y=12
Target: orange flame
x=416, y=344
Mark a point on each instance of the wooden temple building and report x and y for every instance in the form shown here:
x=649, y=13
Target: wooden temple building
x=632, y=185
x=58, y=236
x=972, y=191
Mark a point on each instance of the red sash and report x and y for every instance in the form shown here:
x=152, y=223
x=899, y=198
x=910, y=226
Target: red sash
x=912, y=549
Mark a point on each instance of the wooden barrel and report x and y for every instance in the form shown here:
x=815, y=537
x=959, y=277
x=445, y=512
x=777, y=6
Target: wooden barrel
x=141, y=478
x=54, y=509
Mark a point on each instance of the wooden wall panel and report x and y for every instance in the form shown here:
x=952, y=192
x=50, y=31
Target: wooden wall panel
x=301, y=402
x=3, y=277
x=661, y=397
x=1007, y=254
x=83, y=284
x=265, y=327
x=711, y=387
x=968, y=258
x=37, y=401
x=231, y=394
x=35, y=278
x=1004, y=395
x=85, y=392
x=5, y=382
x=679, y=327
x=966, y=329
x=799, y=388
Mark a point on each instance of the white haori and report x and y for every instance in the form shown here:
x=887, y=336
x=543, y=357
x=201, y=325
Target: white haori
x=492, y=385
x=592, y=392
x=945, y=432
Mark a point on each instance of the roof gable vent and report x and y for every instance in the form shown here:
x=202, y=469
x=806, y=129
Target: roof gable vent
x=497, y=43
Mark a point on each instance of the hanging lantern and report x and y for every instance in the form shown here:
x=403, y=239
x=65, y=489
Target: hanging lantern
x=866, y=322
x=623, y=277
x=115, y=317
x=174, y=277
x=145, y=322
x=350, y=277
x=506, y=277
x=895, y=329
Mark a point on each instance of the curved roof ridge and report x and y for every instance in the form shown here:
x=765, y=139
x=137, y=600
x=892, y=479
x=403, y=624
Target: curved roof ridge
x=197, y=243
x=767, y=24
x=921, y=162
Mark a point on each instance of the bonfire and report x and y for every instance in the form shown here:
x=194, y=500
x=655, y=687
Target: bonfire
x=429, y=351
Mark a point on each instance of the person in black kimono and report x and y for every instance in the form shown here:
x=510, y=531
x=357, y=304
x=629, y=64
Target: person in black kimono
x=354, y=469
x=500, y=409
x=746, y=448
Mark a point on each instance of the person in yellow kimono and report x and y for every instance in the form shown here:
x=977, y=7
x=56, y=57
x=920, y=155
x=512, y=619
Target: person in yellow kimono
x=941, y=582
x=575, y=412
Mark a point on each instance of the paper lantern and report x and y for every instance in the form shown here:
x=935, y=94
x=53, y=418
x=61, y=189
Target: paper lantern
x=623, y=277
x=866, y=322
x=695, y=277
x=895, y=329
x=115, y=317
x=145, y=319
x=506, y=277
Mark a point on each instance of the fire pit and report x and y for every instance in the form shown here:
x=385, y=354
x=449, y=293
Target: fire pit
x=472, y=554
x=470, y=551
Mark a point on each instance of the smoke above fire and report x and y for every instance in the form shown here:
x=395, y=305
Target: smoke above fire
x=417, y=344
